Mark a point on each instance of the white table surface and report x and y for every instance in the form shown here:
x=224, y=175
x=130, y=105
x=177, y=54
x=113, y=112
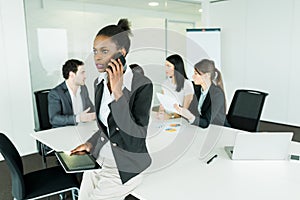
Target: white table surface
x=66, y=138
x=189, y=177
x=179, y=169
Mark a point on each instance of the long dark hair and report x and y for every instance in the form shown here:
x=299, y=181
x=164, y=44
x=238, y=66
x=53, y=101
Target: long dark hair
x=179, y=71
x=119, y=34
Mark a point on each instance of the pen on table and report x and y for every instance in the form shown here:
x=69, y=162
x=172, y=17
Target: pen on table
x=211, y=159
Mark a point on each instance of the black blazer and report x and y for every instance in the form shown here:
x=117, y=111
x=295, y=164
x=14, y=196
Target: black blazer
x=213, y=107
x=60, y=105
x=127, y=122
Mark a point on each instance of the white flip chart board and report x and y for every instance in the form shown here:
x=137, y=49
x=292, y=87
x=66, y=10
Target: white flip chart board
x=202, y=43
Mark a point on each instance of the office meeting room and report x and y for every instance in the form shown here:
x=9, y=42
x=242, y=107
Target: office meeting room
x=149, y=99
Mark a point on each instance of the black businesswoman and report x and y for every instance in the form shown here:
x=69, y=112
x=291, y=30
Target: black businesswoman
x=208, y=105
x=122, y=105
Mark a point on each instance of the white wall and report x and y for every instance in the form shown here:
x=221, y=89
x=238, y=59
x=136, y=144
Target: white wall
x=260, y=45
x=16, y=117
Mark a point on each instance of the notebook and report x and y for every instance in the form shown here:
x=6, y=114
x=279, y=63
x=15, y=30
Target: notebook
x=260, y=146
x=76, y=163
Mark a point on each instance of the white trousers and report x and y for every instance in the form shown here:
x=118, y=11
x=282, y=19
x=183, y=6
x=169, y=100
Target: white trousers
x=105, y=184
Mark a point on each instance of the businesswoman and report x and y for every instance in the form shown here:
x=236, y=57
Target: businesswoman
x=122, y=104
x=208, y=105
x=177, y=83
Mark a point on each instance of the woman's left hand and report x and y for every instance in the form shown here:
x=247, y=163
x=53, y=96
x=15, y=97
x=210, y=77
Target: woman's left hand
x=115, y=74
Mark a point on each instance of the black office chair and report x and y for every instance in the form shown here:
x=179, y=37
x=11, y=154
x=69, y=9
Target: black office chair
x=245, y=109
x=41, y=98
x=33, y=185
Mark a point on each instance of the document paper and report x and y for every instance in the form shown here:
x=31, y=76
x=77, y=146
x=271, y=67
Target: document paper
x=167, y=102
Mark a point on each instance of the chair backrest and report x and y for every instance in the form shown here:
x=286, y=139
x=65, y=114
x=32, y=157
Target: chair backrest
x=245, y=109
x=15, y=165
x=41, y=98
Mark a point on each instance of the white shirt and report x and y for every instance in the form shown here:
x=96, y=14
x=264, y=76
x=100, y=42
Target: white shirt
x=76, y=102
x=104, y=111
x=170, y=89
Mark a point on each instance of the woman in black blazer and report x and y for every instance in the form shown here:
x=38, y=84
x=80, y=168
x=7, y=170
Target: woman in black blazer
x=208, y=105
x=122, y=104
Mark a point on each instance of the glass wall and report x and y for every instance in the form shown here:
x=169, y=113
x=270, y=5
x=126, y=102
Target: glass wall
x=59, y=30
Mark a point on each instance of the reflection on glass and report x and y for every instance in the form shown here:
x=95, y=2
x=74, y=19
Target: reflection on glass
x=52, y=53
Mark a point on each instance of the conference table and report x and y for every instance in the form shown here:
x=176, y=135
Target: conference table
x=179, y=168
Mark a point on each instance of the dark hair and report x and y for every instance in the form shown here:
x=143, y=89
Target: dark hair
x=208, y=66
x=179, y=71
x=119, y=34
x=136, y=68
x=70, y=66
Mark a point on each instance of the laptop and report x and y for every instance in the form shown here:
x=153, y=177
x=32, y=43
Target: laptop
x=260, y=146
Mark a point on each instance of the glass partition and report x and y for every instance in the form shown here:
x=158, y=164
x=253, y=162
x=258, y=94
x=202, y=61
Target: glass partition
x=58, y=30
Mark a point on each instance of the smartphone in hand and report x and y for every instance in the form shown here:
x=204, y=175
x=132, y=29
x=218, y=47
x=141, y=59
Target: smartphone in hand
x=122, y=59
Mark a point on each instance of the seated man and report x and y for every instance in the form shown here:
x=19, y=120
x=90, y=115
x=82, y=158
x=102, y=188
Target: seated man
x=69, y=102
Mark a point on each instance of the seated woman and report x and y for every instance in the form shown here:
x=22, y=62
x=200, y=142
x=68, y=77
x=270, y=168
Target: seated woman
x=208, y=105
x=177, y=85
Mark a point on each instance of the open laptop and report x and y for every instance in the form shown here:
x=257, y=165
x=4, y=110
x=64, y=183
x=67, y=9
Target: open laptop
x=260, y=146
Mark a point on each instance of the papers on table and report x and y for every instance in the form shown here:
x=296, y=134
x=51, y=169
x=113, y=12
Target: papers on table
x=172, y=127
x=167, y=102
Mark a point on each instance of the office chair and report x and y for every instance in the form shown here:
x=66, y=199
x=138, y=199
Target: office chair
x=41, y=98
x=245, y=109
x=33, y=185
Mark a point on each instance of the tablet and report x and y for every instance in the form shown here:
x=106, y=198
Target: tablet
x=77, y=163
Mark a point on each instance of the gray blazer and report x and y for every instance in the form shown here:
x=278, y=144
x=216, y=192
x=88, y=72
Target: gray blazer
x=127, y=123
x=213, y=108
x=60, y=105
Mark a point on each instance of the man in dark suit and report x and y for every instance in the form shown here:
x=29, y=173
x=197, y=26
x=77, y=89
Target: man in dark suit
x=69, y=102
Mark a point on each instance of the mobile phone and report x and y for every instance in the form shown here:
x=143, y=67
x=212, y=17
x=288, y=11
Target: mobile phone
x=122, y=59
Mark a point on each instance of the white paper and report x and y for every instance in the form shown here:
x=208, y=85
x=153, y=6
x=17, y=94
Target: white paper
x=167, y=102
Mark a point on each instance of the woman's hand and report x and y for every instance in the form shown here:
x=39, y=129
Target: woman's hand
x=115, y=74
x=184, y=112
x=160, y=113
x=82, y=149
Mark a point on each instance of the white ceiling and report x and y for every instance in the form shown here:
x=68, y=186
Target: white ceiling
x=174, y=6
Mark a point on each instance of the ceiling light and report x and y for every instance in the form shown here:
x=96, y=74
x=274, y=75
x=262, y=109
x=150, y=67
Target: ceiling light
x=153, y=3
x=200, y=10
